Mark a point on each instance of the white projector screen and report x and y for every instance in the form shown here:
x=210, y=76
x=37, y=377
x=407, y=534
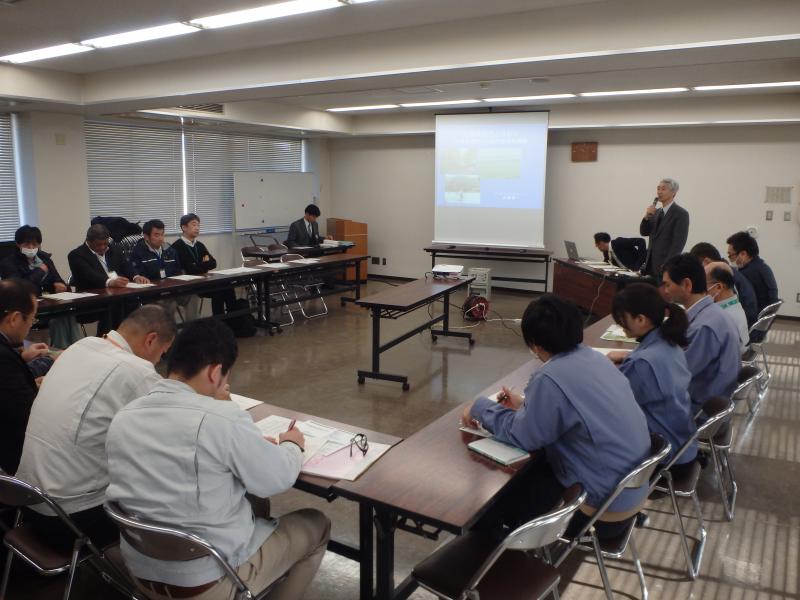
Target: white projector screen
x=490, y=177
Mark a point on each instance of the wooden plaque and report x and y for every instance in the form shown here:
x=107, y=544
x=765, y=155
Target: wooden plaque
x=584, y=152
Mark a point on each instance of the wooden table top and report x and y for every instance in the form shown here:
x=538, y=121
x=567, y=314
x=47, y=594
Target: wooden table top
x=413, y=293
x=611, y=275
x=434, y=476
x=264, y=410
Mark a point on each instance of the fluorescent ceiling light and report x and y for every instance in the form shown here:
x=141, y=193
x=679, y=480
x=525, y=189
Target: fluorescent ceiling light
x=44, y=53
x=635, y=92
x=372, y=107
x=745, y=86
x=440, y=103
x=756, y=121
x=141, y=35
x=523, y=98
x=263, y=13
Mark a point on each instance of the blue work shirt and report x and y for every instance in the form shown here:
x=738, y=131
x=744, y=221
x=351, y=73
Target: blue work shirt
x=761, y=276
x=148, y=263
x=659, y=378
x=713, y=352
x=580, y=409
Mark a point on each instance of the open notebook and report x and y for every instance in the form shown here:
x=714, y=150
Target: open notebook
x=504, y=454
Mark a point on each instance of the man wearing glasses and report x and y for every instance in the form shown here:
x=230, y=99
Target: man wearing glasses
x=743, y=252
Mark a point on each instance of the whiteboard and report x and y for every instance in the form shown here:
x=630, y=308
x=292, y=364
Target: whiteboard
x=270, y=199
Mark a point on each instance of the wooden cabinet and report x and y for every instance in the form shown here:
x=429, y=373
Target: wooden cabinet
x=351, y=231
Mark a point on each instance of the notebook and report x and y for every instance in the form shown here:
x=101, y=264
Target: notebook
x=498, y=451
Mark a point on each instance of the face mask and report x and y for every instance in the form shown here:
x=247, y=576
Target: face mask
x=29, y=252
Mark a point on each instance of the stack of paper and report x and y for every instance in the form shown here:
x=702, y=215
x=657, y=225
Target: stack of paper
x=498, y=451
x=615, y=333
x=134, y=285
x=186, y=277
x=274, y=266
x=305, y=261
x=234, y=271
x=68, y=295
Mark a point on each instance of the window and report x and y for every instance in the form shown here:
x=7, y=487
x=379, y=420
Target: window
x=211, y=160
x=9, y=205
x=135, y=172
x=142, y=173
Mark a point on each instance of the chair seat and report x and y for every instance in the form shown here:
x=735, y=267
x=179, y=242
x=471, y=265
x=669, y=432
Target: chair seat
x=515, y=576
x=616, y=545
x=749, y=355
x=685, y=477
x=722, y=439
x=747, y=373
x=28, y=543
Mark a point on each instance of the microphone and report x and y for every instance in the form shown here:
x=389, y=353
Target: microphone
x=655, y=201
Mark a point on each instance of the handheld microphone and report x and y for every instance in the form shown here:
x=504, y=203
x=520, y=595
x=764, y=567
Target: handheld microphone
x=655, y=201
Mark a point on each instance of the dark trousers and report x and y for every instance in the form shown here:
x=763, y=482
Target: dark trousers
x=532, y=495
x=222, y=302
x=93, y=522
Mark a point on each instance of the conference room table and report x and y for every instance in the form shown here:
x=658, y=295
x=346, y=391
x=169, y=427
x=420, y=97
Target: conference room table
x=324, y=488
x=431, y=482
x=400, y=300
x=261, y=279
x=589, y=287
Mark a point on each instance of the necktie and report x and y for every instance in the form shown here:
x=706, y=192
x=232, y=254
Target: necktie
x=308, y=225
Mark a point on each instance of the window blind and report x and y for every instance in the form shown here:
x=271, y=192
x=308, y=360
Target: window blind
x=211, y=160
x=9, y=205
x=135, y=172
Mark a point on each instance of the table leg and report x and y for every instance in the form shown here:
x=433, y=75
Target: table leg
x=445, y=330
x=546, y=272
x=375, y=373
x=384, y=568
x=345, y=299
x=366, y=568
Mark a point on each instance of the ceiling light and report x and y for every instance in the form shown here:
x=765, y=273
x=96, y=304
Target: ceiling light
x=44, y=53
x=439, y=103
x=263, y=13
x=635, y=92
x=141, y=35
x=524, y=98
x=756, y=121
x=372, y=107
x=745, y=86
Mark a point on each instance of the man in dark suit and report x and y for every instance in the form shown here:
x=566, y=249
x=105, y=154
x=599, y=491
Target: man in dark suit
x=31, y=263
x=707, y=253
x=17, y=313
x=621, y=252
x=152, y=257
x=667, y=228
x=95, y=265
x=305, y=231
x=743, y=250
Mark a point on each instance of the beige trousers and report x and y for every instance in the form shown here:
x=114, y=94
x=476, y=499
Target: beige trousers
x=295, y=548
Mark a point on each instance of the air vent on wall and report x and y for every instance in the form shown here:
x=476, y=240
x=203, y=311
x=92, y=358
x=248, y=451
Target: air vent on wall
x=419, y=90
x=209, y=108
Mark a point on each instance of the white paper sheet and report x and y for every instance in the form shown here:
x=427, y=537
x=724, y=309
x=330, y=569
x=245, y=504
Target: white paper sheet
x=273, y=425
x=274, y=266
x=244, y=402
x=68, y=295
x=136, y=286
x=234, y=271
x=186, y=277
x=606, y=351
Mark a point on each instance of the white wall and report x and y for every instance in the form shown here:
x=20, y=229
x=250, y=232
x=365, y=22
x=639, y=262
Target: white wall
x=723, y=172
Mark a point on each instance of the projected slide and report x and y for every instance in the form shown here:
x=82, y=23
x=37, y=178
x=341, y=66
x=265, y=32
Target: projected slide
x=490, y=172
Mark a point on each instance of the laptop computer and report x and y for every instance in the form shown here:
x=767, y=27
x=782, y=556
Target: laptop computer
x=572, y=251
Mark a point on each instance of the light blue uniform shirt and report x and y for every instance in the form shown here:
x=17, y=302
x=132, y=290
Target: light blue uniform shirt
x=659, y=378
x=580, y=409
x=182, y=459
x=713, y=352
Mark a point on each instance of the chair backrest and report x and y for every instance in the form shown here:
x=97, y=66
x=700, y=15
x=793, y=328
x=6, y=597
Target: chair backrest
x=16, y=493
x=717, y=409
x=747, y=376
x=763, y=323
x=290, y=257
x=166, y=543
x=770, y=309
x=537, y=533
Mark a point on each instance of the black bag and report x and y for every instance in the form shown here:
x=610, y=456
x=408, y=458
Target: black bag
x=242, y=325
x=118, y=227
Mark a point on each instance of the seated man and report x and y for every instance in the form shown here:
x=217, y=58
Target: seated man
x=719, y=281
x=707, y=253
x=195, y=259
x=17, y=313
x=65, y=442
x=152, y=257
x=185, y=456
x=713, y=352
x=743, y=251
x=31, y=263
x=590, y=427
x=305, y=231
x=622, y=252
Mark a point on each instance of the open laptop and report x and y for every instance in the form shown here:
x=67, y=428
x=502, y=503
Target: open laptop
x=572, y=251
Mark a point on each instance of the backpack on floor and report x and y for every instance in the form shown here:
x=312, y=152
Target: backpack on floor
x=243, y=325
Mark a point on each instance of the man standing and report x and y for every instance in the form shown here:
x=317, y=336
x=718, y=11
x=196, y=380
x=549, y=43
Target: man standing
x=65, y=442
x=17, y=313
x=743, y=251
x=707, y=253
x=719, y=281
x=152, y=257
x=628, y=253
x=182, y=455
x=713, y=352
x=305, y=231
x=667, y=228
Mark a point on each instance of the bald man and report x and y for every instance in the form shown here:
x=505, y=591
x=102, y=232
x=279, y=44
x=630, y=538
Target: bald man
x=720, y=283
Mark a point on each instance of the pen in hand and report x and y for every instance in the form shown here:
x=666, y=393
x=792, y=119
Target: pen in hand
x=291, y=424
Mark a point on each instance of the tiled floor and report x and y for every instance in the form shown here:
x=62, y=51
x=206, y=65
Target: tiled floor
x=312, y=367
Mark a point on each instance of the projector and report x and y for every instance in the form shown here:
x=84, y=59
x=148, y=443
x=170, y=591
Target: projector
x=448, y=271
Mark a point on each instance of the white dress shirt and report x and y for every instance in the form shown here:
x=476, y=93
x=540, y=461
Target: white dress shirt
x=178, y=458
x=65, y=441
